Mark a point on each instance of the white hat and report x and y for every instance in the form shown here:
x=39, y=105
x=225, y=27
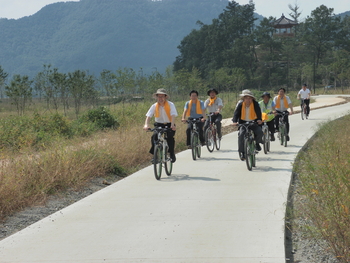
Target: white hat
x=247, y=92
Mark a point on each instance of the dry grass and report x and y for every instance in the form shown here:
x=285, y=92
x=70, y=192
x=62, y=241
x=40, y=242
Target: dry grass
x=324, y=175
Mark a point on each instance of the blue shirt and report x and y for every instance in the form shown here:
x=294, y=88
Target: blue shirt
x=193, y=113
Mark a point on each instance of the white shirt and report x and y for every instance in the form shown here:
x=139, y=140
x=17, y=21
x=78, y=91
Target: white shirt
x=304, y=94
x=215, y=106
x=282, y=108
x=163, y=117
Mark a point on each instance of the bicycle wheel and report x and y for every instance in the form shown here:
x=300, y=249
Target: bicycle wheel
x=253, y=155
x=194, y=142
x=281, y=131
x=217, y=140
x=209, y=140
x=285, y=137
x=302, y=112
x=157, y=161
x=168, y=165
x=248, y=153
x=199, y=148
x=265, y=139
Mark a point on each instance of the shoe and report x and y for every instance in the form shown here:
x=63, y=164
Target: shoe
x=173, y=158
x=241, y=155
x=189, y=147
x=287, y=138
x=203, y=143
x=258, y=147
x=152, y=160
x=272, y=137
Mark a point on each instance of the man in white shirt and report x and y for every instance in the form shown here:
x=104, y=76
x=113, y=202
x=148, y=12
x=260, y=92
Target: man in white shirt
x=165, y=113
x=304, y=95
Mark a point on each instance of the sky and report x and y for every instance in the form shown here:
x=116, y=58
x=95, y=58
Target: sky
x=20, y=8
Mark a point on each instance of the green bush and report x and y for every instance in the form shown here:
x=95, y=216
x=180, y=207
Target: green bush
x=101, y=117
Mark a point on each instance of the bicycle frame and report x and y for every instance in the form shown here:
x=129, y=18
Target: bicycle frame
x=282, y=131
x=195, y=144
x=211, y=137
x=249, y=144
x=161, y=157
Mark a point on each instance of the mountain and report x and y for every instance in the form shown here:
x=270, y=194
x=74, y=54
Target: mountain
x=102, y=34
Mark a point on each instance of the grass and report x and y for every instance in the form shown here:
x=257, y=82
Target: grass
x=323, y=173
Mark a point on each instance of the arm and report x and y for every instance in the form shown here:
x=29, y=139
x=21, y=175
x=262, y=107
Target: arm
x=146, y=126
x=291, y=108
x=173, y=127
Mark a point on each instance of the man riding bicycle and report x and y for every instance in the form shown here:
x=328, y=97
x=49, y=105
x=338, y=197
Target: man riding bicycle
x=214, y=106
x=304, y=94
x=282, y=103
x=194, y=108
x=165, y=113
x=266, y=106
x=248, y=110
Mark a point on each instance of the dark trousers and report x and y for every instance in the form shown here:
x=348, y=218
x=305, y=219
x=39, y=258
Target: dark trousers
x=200, y=131
x=258, y=134
x=307, y=103
x=217, y=118
x=170, y=138
x=286, y=120
x=271, y=126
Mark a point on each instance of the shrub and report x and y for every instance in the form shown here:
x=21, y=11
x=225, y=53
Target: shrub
x=101, y=117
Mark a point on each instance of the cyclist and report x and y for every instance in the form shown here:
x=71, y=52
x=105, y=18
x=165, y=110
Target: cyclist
x=248, y=110
x=305, y=93
x=282, y=103
x=266, y=105
x=194, y=108
x=165, y=113
x=214, y=105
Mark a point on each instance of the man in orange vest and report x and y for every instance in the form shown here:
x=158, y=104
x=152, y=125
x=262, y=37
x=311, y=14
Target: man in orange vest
x=165, y=113
x=194, y=108
x=282, y=103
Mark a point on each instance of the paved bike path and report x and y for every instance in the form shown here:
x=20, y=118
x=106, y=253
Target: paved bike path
x=209, y=210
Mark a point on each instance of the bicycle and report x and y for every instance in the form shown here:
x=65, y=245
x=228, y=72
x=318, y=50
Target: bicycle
x=211, y=136
x=303, y=109
x=249, y=144
x=266, y=137
x=161, y=155
x=282, y=130
x=195, y=142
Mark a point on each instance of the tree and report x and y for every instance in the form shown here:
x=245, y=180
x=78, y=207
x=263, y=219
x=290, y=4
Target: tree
x=81, y=87
x=3, y=77
x=20, y=92
x=319, y=34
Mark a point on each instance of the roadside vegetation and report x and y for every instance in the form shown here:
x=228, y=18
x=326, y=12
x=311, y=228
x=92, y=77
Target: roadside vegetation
x=47, y=153
x=322, y=211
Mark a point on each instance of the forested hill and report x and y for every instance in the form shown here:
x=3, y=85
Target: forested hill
x=102, y=34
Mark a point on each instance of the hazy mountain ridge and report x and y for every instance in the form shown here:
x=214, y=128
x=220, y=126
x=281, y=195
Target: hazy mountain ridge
x=102, y=34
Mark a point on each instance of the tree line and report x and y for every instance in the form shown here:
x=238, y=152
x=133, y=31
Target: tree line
x=233, y=47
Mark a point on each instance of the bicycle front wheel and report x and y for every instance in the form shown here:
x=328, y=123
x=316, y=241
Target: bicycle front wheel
x=266, y=140
x=217, y=140
x=248, y=153
x=209, y=140
x=199, y=148
x=157, y=161
x=302, y=112
x=281, y=131
x=168, y=165
x=194, y=142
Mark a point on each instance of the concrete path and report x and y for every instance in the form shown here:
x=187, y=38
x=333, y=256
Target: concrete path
x=210, y=210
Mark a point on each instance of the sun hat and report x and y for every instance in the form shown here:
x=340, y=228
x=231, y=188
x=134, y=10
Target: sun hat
x=161, y=92
x=247, y=92
x=266, y=94
x=208, y=92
